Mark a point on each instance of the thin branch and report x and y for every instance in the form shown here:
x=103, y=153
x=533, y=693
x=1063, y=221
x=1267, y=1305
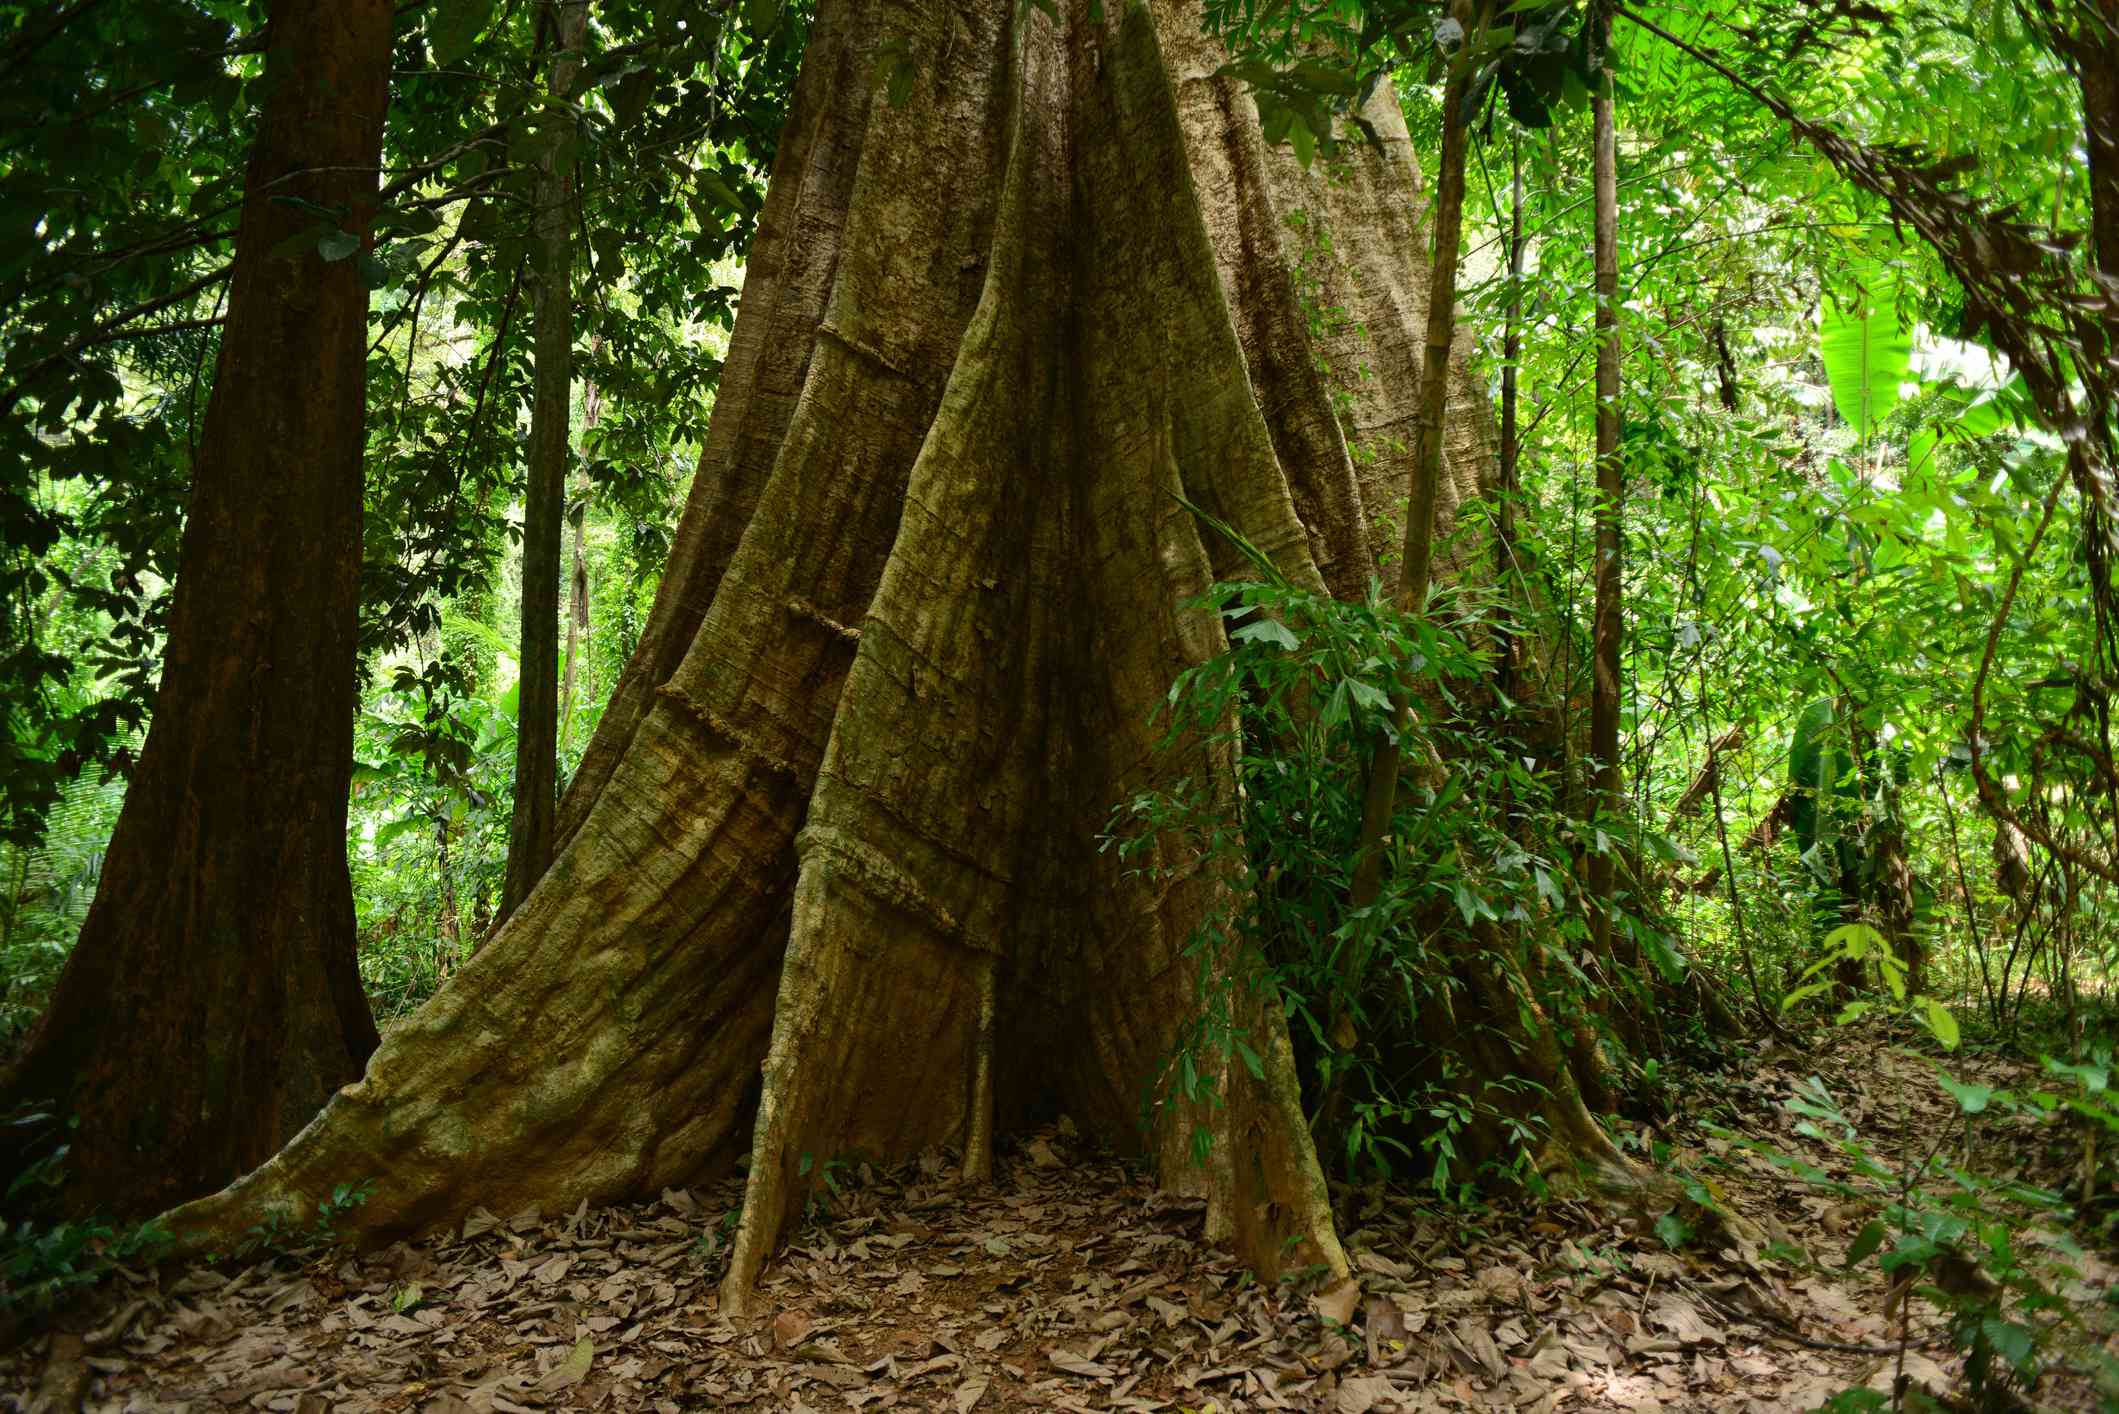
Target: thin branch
x=100, y=334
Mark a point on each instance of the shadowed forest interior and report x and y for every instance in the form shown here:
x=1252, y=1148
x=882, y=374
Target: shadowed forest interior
x=1093, y=704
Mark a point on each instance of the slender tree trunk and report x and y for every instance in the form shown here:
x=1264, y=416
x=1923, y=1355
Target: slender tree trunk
x=832, y=883
x=2097, y=69
x=578, y=581
x=1607, y=791
x=1507, y=570
x=1380, y=800
x=213, y=1003
x=530, y=832
x=448, y=929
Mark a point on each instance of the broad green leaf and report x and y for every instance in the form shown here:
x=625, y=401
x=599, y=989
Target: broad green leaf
x=1373, y=698
x=1972, y=1099
x=1866, y=1242
x=453, y=27
x=1304, y=140
x=1855, y=940
x=2012, y=1343
x=1271, y=631
x=1940, y=1022
x=1802, y=994
x=336, y=244
x=1867, y=352
x=1664, y=956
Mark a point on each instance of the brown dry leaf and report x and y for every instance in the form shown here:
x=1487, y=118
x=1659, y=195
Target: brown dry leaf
x=1336, y=1302
x=1684, y=1321
x=1472, y=1337
x=572, y=1370
x=1381, y=1265
x=791, y=1328
x=1075, y=1365
x=1170, y=1311
x=1384, y=1325
x=1041, y=1154
x=837, y=1376
x=969, y=1393
x=1359, y=1396
x=1921, y=1374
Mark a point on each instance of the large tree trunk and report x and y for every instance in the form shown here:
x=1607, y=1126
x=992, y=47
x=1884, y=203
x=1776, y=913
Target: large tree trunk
x=212, y=1003
x=842, y=817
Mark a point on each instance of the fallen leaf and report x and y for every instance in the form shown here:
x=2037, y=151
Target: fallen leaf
x=1686, y=1323
x=1360, y=1395
x=1336, y=1302
x=970, y=1392
x=1382, y=1322
x=1075, y=1365
x=790, y=1328
x=572, y=1370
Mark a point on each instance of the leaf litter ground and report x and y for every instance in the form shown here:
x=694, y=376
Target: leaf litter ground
x=1069, y=1284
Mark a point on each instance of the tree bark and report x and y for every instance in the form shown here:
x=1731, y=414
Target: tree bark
x=831, y=884
x=530, y=830
x=1607, y=791
x=578, y=579
x=1506, y=567
x=213, y=1003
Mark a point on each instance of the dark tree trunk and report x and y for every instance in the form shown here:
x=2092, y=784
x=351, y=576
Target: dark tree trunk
x=544, y=504
x=213, y=1002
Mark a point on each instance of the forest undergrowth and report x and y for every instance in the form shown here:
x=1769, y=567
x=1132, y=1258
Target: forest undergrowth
x=1071, y=1282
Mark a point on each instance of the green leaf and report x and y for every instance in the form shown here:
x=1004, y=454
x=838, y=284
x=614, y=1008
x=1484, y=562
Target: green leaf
x=1866, y=1242
x=2012, y=1343
x=453, y=27
x=1854, y=940
x=1940, y=1022
x=1304, y=140
x=1271, y=631
x=1970, y=1098
x=572, y=1370
x=336, y=244
x=1867, y=352
x=1801, y=994
x=1373, y=698
x=1673, y=1230
x=1664, y=956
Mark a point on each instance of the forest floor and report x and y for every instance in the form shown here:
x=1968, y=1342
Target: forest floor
x=1072, y=1284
